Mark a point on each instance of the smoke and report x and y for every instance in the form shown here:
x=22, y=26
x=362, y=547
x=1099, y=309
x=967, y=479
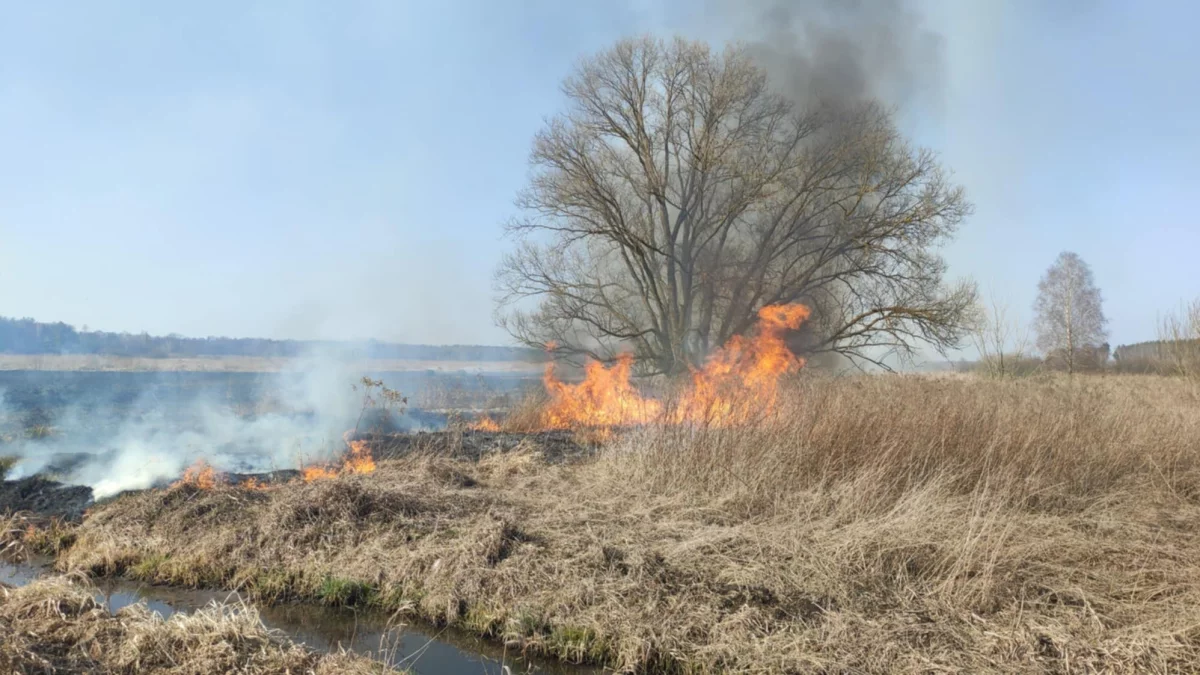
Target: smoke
x=289, y=419
x=841, y=52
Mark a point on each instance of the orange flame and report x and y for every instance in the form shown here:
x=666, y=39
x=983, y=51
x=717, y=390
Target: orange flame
x=605, y=398
x=741, y=380
x=357, y=460
x=312, y=473
x=739, y=383
x=485, y=424
x=254, y=484
x=199, y=475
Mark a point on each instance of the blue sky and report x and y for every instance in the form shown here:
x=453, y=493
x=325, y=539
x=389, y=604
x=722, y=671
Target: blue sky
x=338, y=170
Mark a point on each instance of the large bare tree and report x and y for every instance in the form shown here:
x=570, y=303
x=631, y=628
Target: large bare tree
x=1070, y=322
x=678, y=193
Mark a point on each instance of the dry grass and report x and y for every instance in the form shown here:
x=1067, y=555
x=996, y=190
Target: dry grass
x=55, y=626
x=897, y=524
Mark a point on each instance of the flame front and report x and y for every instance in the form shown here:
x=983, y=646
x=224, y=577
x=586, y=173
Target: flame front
x=486, y=424
x=200, y=475
x=738, y=383
x=357, y=460
x=741, y=380
x=605, y=398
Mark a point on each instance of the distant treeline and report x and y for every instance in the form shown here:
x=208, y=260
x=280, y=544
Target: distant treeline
x=1153, y=349
x=1156, y=355
x=26, y=336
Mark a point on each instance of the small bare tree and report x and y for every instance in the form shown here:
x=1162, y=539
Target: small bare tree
x=1179, y=336
x=678, y=194
x=1070, y=321
x=1000, y=340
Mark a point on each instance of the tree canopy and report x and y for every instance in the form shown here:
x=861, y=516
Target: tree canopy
x=678, y=193
x=1069, y=321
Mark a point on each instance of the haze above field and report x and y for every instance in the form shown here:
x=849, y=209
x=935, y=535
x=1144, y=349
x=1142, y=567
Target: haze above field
x=321, y=171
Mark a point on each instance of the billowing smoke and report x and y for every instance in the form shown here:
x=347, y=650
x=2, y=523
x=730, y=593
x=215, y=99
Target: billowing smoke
x=842, y=51
x=297, y=417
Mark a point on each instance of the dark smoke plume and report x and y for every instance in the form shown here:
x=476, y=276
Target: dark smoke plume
x=841, y=52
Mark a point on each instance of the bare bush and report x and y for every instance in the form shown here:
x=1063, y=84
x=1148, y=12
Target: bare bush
x=1002, y=343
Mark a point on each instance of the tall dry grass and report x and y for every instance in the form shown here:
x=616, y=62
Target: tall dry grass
x=1022, y=440
x=874, y=524
x=953, y=523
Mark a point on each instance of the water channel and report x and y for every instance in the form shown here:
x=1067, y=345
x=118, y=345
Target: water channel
x=420, y=649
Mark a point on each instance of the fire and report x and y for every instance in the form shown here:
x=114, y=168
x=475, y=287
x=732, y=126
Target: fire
x=254, y=484
x=739, y=383
x=358, y=460
x=485, y=424
x=741, y=380
x=605, y=398
x=312, y=473
x=199, y=475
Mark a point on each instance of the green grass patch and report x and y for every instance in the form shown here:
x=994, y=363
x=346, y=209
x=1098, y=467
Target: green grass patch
x=339, y=592
x=148, y=568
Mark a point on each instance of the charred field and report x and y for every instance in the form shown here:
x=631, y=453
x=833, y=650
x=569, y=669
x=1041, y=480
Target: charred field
x=870, y=524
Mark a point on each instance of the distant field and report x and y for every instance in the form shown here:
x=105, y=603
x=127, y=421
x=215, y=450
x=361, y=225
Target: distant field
x=241, y=364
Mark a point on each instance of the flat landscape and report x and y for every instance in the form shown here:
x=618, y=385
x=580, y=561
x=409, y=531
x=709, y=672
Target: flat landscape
x=869, y=524
x=748, y=337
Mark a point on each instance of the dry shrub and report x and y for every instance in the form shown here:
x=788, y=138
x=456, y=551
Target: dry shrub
x=55, y=625
x=889, y=524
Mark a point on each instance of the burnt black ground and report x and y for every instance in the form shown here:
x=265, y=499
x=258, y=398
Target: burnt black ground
x=555, y=446
x=45, y=497
x=48, y=498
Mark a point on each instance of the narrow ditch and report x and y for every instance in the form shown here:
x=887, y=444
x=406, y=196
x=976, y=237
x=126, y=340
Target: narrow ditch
x=420, y=649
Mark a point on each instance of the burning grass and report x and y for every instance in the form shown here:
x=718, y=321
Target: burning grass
x=889, y=524
x=737, y=385
x=55, y=626
x=357, y=460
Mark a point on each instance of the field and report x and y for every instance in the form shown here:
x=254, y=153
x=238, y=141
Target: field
x=870, y=524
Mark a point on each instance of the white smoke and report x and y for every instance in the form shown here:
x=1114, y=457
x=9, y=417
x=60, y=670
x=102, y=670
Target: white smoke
x=309, y=408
